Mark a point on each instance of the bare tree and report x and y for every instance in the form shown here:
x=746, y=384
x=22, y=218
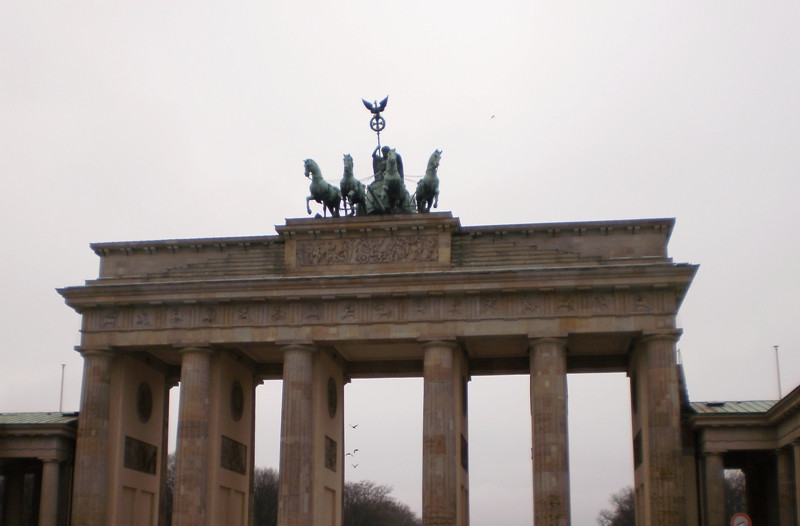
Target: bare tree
x=265, y=495
x=735, y=496
x=368, y=504
x=365, y=503
x=623, y=512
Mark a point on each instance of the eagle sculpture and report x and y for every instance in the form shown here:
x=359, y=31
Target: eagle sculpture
x=376, y=107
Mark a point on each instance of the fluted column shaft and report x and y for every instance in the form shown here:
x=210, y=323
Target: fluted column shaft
x=715, y=490
x=90, y=486
x=192, y=450
x=295, y=506
x=663, y=445
x=548, y=362
x=439, y=454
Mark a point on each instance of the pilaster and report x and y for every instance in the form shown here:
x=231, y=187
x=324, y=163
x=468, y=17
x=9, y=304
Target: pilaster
x=550, y=448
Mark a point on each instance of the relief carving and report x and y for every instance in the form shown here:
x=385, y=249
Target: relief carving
x=455, y=307
x=110, y=318
x=279, y=313
x=566, y=303
x=399, y=249
x=312, y=312
x=529, y=306
x=143, y=319
x=175, y=317
x=347, y=311
x=601, y=303
x=641, y=303
x=381, y=310
x=209, y=316
x=489, y=306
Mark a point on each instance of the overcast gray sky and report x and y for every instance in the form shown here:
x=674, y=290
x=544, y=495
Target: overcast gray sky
x=152, y=120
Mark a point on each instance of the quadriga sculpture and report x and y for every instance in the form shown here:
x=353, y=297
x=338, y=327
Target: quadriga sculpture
x=428, y=187
x=321, y=191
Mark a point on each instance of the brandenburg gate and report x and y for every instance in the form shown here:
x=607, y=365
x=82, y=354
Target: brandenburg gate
x=328, y=300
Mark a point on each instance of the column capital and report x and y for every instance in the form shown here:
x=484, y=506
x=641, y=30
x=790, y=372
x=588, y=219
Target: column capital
x=538, y=339
x=451, y=343
x=671, y=335
x=99, y=351
x=184, y=349
x=294, y=345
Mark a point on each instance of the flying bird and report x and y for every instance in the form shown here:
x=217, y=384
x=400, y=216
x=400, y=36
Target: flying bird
x=353, y=426
x=354, y=466
x=376, y=107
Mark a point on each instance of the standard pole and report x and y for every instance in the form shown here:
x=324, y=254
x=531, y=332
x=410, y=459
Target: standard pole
x=61, y=398
x=778, y=368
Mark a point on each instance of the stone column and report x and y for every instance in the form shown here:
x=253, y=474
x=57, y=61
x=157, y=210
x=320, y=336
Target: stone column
x=295, y=506
x=439, y=453
x=548, y=361
x=48, y=497
x=662, y=430
x=192, y=448
x=715, y=490
x=90, y=486
x=785, y=507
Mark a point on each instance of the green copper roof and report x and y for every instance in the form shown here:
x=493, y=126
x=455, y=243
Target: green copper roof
x=37, y=418
x=733, y=408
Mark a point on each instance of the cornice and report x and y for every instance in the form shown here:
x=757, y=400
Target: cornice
x=655, y=276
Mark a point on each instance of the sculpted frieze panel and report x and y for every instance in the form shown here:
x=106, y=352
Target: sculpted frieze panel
x=348, y=311
x=600, y=303
x=177, y=316
x=492, y=306
x=383, y=309
x=455, y=308
x=529, y=305
x=422, y=308
x=641, y=302
x=396, y=249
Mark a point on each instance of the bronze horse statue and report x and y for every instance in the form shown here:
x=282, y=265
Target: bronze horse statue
x=394, y=186
x=321, y=191
x=353, y=190
x=428, y=187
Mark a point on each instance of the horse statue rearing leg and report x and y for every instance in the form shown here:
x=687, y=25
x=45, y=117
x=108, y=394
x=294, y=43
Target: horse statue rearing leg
x=428, y=187
x=321, y=191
